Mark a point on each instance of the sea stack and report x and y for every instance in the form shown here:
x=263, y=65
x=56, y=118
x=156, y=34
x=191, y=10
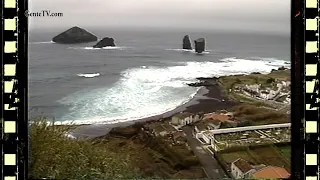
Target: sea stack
x=105, y=42
x=74, y=35
x=186, y=43
x=199, y=45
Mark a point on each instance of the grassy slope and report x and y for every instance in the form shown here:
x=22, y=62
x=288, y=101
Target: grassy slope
x=251, y=110
x=229, y=82
x=53, y=155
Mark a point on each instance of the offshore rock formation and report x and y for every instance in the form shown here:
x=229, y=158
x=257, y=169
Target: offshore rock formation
x=186, y=43
x=74, y=35
x=105, y=42
x=199, y=45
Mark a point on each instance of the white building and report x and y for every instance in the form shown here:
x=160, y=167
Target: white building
x=254, y=88
x=286, y=83
x=184, y=118
x=241, y=169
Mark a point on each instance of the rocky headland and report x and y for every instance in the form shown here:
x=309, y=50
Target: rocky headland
x=74, y=35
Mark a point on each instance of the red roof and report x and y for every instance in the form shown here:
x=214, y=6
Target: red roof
x=272, y=172
x=220, y=117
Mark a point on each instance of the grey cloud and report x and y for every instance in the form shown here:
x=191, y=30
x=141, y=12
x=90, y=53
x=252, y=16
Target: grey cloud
x=270, y=15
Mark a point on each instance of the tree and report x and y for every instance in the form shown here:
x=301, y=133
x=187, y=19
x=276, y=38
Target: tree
x=270, y=80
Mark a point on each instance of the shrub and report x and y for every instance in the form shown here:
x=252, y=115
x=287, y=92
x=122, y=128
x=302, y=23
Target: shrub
x=54, y=155
x=270, y=80
x=191, y=161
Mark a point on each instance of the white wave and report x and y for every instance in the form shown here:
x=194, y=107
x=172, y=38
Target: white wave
x=188, y=50
x=146, y=91
x=104, y=120
x=89, y=75
x=45, y=42
x=106, y=48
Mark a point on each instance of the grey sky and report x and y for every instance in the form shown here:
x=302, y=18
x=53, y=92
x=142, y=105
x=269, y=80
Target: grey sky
x=257, y=15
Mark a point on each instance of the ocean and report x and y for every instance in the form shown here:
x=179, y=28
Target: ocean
x=145, y=75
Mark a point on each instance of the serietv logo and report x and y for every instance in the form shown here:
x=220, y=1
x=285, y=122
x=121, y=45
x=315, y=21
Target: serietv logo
x=42, y=13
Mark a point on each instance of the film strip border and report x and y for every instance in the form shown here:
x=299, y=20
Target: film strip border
x=312, y=67
x=13, y=97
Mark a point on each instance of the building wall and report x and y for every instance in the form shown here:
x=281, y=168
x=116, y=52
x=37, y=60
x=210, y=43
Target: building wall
x=196, y=129
x=249, y=174
x=175, y=120
x=206, y=139
x=236, y=172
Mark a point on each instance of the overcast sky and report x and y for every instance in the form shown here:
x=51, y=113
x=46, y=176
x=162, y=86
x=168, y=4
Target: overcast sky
x=257, y=15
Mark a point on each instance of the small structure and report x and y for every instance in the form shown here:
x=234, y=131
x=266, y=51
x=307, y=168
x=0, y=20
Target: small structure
x=241, y=169
x=207, y=124
x=286, y=83
x=213, y=124
x=185, y=118
x=271, y=172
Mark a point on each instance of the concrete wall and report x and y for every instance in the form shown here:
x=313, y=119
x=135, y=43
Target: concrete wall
x=236, y=172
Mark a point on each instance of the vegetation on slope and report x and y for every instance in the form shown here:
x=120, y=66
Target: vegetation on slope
x=134, y=156
x=54, y=155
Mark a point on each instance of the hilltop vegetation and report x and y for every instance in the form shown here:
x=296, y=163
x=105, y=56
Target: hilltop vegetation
x=54, y=155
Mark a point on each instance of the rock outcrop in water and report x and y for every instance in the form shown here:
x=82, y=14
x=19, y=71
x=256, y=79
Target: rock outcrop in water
x=74, y=35
x=186, y=43
x=105, y=42
x=199, y=45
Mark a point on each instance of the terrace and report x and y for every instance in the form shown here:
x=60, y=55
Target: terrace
x=248, y=137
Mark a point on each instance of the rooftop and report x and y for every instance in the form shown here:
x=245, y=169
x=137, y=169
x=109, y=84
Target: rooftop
x=183, y=115
x=212, y=121
x=243, y=165
x=272, y=172
x=220, y=117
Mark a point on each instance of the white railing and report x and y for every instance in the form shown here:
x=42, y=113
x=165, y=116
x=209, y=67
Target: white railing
x=247, y=128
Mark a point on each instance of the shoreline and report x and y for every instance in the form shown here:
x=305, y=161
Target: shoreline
x=207, y=99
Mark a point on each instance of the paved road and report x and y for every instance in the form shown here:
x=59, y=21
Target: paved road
x=211, y=166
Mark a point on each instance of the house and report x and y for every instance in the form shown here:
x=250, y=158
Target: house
x=252, y=88
x=213, y=123
x=207, y=124
x=241, y=169
x=185, y=118
x=286, y=83
x=271, y=172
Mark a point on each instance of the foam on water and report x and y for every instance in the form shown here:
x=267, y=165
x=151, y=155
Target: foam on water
x=188, y=50
x=91, y=75
x=104, y=48
x=45, y=42
x=147, y=91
